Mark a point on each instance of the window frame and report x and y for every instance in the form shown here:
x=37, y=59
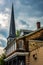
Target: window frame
x=20, y=45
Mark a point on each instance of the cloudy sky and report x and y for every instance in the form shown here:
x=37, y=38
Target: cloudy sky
x=26, y=12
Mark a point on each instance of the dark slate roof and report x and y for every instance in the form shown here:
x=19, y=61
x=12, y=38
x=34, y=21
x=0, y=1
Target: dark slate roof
x=25, y=31
x=30, y=33
x=12, y=33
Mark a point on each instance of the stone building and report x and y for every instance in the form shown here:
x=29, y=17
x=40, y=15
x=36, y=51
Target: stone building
x=26, y=49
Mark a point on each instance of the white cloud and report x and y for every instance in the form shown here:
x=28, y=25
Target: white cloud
x=17, y=3
x=7, y=9
x=28, y=14
x=2, y=38
x=4, y=24
x=0, y=43
x=2, y=1
x=31, y=21
x=4, y=20
x=1, y=50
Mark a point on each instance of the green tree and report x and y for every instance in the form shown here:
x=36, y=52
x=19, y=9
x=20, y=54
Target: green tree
x=2, y=57
x=17, y=33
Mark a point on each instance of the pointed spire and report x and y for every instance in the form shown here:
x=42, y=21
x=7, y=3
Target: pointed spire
x=12, y=33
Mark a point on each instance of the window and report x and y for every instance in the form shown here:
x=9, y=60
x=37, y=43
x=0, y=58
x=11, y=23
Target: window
x=22, y=60
x=20, y=44
x=14, y=45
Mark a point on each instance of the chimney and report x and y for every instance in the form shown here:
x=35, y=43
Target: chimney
x=38, y=25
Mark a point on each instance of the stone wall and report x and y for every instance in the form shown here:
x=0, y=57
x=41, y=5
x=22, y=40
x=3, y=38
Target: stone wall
x=36, y=57
x=36, y=52
x=35, y=44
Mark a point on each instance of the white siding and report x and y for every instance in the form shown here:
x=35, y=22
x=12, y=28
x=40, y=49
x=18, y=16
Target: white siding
x=11, y=48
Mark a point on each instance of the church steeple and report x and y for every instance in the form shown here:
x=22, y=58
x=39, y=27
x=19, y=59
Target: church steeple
x=12, y=33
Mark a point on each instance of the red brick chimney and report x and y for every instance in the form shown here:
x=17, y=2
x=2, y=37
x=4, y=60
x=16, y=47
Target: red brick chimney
x=38, y=25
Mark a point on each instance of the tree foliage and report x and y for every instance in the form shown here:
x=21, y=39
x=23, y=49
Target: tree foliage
x=2, y=57
x=17, y=33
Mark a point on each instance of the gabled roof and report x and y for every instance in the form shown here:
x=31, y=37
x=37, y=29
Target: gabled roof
x=38, y=30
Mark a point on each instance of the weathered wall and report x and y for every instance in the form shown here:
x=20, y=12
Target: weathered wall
x=35, y=56
x=39, y=57
x=27, y=58
x=35, y=44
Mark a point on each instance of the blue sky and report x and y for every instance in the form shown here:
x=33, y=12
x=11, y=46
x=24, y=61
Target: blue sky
x=26, y=13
